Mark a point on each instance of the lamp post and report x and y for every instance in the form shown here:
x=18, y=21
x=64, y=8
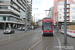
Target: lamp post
x=26, y=18
x=57, y=21
x=46, y=11
x=65, y=23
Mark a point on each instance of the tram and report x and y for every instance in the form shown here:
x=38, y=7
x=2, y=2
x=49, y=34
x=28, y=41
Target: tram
x=47, y=26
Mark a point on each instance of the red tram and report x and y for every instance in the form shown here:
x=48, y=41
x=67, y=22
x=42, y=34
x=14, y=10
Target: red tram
x=47, y=26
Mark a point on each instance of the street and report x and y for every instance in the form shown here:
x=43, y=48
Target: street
x=33, y=40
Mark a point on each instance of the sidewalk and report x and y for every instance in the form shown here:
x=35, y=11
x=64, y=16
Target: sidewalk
x=70, y=41
x=69, y=32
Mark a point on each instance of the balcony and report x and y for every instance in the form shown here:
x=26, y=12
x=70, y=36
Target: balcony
x=68, y=15
x=68, y=11
x=67, y=19
x=68, y=6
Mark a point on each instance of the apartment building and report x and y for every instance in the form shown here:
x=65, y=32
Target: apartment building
x=29, y=12
x=59, y=10
x=13, y=13
x=70, y=12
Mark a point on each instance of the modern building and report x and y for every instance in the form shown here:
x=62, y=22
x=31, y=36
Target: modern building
x=50, y=14
x=70, y=11
x=59, y=11
x=29, y=12
x=13, y=13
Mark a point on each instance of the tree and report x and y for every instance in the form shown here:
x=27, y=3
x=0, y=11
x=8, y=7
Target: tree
x=32, y=23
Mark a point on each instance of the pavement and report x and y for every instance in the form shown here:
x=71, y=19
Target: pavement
x=70, y=41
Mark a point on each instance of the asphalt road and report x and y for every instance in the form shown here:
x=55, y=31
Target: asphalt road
x=33, y=40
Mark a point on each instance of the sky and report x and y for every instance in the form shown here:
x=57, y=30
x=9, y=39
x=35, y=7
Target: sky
x=39, y=7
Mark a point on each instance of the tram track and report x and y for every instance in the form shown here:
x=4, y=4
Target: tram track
x=39, y=42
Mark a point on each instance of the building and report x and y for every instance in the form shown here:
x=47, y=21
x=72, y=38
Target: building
x=29, y=12
x=50, y=14
x=55, y=9
x=59, y=4
x=13, y=13
x=70, y=11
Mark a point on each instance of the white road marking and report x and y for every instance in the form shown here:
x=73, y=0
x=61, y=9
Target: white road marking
x=48, y=46
x=7, y=39
x=59, y=42
x=12, y=37
x=35, y=44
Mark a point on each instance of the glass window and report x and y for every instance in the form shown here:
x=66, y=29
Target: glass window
x=3, y=7
x=73, y=17
x=1, y=1
x=1, y=18
x=4, y=18
x=10, y=19
x=60, y=10
x=73, y=9
x=67, y=9
x=73, y=4
x=14, y=19
x=73, y=13
x=73, y=21
x=60, y=18
x=47, y=25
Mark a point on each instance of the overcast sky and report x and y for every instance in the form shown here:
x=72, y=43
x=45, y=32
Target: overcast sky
x=42, y=5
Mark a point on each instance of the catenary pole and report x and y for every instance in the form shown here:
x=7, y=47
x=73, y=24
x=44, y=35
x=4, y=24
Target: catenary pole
x=65, y=23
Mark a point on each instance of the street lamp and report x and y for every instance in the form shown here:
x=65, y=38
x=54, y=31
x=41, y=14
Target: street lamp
x=46, y=11
x=57, y=21
x=65, y=23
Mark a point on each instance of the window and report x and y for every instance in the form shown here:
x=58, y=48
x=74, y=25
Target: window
x=4, y=18
x=10, y=18
x=73, y=9
x=73, y=17
x=60, y=10
x=47, y=25
x=3, y=7
x=73, y=21
x=59, y=17
x=67, y=9
x=4, y=1
x=1, y=18
x=73, y=5
x=73, y=13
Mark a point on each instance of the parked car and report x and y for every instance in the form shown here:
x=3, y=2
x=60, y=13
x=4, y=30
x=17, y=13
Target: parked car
x=8, y=30
x=21, y=29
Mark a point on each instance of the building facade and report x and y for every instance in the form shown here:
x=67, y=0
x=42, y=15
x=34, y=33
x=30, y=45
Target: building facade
x=59, y=10
x=13, y=13
x=70, y=11
x=29, y=12
x=55, y=9
x=50, y=14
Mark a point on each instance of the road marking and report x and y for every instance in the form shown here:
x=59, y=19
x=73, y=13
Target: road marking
x=13, y=37
x=59, y=42
x=35, y=44
x=48, y=44
x=7, y=39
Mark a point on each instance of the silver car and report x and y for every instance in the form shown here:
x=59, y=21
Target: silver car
x=8, y=30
